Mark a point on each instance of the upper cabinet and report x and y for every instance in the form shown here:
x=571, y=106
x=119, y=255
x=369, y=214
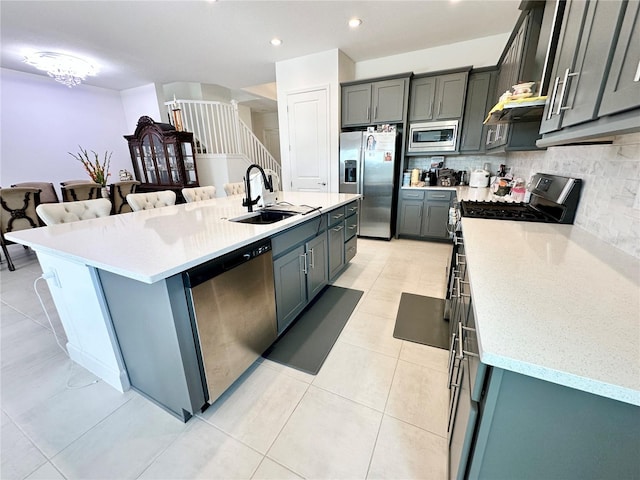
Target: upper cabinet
x=437, y=97
x=518, y=63
x=595, y=82
x=622, y=88
x=478, y=102
x=374, y=102
x=162, y=157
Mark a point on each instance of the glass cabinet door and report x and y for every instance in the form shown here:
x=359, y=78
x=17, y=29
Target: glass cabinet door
x=189, y=163
x=161, y=160
x=149, y=167
x=173, y=164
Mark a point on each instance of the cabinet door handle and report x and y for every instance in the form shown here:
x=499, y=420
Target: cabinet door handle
x=439, y=108
x=430, y=109
x=338, y=228
x=368, y=113
x=303, y=257
x=353, y=209
x=339, y=215
x=439, y=196
x=563, y=92
x=312, y=264
x=636, y=78
x=375, y=113
x=353, y=227
x=556, y=82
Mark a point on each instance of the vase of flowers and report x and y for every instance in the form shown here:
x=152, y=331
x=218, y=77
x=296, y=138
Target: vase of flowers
x=98, y=171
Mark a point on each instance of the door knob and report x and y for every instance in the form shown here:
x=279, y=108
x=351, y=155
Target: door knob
x=322, y=183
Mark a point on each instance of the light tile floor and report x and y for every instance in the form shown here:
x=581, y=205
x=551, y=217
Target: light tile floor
x=376, y=409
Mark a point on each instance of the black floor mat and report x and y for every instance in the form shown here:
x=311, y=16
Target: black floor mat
x=421, y=320
x=307, y=343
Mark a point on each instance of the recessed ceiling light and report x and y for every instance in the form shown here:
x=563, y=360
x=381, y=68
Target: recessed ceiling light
x=355, y=22
x=276, y=42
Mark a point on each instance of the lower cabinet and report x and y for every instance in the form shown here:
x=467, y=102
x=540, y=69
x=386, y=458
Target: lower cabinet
x=336, y=250
x=342, y=236
x=299, y=276
x=425, y=213
x=308, y=256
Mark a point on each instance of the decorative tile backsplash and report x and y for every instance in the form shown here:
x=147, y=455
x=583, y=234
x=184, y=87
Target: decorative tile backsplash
x=610, y=202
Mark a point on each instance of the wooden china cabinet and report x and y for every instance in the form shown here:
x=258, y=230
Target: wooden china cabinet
x=163, y=158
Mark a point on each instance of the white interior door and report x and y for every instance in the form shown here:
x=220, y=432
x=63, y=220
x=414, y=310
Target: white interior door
x=309, y=141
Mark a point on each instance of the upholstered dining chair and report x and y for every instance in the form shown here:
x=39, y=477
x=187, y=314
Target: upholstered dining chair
x=234, y=188
x=67, y=212
x=47, y=190
x=81, y=191
x=74, y=182
x=197, y=194
x=17, y=212
x=118, y=192
x=149, y=200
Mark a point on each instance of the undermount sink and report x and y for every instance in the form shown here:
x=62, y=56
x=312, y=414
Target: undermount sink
x=263, y=217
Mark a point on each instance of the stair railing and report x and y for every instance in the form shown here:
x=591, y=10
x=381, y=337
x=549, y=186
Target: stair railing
x=218, y=129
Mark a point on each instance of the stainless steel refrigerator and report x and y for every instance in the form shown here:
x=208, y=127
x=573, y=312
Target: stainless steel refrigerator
x=368, y=166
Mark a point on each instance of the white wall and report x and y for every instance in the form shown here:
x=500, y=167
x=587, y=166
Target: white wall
x=480, y=52
x=143, y=101
x=42, y=120
x=304, y=74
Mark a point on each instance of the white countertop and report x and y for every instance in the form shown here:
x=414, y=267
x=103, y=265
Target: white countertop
x=555, y=303
x=154, y=244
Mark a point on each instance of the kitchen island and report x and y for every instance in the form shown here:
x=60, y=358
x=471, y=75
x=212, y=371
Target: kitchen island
x=148, y=250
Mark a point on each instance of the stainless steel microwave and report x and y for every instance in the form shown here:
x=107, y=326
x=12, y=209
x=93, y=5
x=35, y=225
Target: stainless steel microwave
x=433, y=136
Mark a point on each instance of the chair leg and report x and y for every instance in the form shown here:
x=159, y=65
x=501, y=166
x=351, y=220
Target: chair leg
x=6, y=254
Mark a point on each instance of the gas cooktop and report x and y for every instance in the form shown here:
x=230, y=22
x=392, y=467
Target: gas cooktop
x=554, y=199
x=502, y=211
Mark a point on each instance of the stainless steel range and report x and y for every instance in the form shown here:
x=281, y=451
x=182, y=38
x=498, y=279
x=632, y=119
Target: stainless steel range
x=554, y=199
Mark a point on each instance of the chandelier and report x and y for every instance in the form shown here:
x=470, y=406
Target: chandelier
x=66, y=69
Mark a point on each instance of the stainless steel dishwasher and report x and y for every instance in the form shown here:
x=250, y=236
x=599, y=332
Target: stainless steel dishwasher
x=234, y=312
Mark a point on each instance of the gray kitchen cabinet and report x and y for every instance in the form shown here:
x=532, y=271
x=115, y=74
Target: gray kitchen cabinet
x=622, y=89
x=342, y=240
x=356, y=104
x=300, y=268
x=518, y=63
x=335, y=234
x=434, y=219
x=425, y=214
x=387, y=101
x=511, y=425
x=595, y=89
x=336, y=250
x=438, y=97
x=478, y=102
x=410, y=205
x=585, y=46
x=531, y=429
x=374, y=102
x=317, y=258
x=290, y=286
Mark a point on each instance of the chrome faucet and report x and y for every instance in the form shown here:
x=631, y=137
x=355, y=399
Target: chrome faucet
x=247, y=202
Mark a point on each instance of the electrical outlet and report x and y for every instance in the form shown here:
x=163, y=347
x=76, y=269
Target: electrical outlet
x=53, y=276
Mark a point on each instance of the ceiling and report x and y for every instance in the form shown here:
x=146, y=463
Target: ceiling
x=226, y=42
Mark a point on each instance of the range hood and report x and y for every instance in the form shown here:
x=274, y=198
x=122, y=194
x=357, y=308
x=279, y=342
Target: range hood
x=521, y=110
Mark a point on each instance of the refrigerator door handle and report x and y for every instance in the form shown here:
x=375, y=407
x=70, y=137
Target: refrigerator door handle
x=361, y=179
